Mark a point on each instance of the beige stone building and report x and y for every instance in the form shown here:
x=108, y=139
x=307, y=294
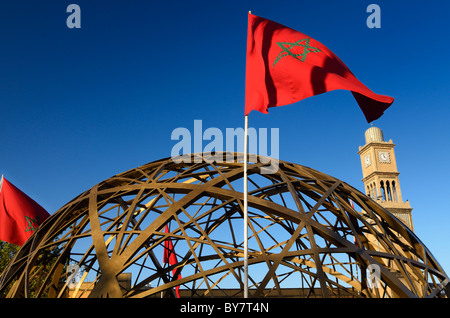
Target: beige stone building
x=381, y=176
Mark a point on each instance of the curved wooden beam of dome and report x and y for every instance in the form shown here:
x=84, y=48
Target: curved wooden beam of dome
x=305, y=238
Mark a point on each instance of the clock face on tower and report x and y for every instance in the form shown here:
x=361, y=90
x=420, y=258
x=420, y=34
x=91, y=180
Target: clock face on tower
x=384, y=157
x=367, y=160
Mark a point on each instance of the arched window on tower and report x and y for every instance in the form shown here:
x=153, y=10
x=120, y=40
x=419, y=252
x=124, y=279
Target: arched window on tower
x=383, y=191
x=375, y=192
x=394, y=191
x=388, y=191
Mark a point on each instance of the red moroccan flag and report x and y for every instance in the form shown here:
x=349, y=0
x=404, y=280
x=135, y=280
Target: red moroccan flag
x=171, y=258
x=20, y=215
x=285, y=66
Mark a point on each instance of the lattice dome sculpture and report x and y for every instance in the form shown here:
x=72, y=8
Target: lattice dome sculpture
x=305, y=239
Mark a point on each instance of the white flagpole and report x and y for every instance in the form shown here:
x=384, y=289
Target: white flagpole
x=245, y=210
x=246, y=207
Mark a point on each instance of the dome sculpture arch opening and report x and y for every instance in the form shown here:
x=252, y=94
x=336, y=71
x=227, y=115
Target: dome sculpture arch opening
x=310, y=235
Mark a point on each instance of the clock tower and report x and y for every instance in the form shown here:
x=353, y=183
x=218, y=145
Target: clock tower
x=380, y=175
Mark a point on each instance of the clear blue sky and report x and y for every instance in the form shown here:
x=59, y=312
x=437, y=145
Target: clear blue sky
x=81, y=105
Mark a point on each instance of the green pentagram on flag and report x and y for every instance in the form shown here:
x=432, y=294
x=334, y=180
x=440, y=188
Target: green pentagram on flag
x=287, y=46
x=32, y=223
